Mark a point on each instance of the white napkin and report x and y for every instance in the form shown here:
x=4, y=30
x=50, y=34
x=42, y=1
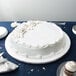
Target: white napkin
x=6, y=66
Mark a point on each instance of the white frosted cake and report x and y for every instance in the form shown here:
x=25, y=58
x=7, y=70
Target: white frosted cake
x=36, y=38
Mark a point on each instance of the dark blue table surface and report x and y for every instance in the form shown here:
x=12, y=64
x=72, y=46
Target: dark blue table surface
x=26, y=69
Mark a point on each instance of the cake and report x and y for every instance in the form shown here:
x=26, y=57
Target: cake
x=69, y=68
x=36, y=38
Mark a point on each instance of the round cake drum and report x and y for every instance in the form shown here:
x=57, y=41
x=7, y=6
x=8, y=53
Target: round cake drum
x=41, y=51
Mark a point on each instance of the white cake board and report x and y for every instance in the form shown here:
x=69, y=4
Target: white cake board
x=48, y=58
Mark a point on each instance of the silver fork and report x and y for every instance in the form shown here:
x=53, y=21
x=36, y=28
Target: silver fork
x=1, y=54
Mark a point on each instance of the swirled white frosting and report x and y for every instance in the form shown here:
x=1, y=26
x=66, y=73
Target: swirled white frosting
x=71, y=66
x=37, y=34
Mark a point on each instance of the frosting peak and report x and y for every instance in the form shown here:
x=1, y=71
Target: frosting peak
x=71, y=66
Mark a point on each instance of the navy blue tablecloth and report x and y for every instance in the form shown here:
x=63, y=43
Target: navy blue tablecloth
x=49, y=69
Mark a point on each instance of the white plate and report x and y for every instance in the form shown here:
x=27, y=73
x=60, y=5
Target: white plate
x=3, y=32
x=46, y=59
x=60, y=70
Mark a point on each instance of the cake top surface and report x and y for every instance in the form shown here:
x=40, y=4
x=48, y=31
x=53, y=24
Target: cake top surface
x=71, y=66
x=37, y=33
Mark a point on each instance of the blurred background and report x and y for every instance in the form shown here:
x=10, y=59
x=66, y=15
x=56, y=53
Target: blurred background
x=50, y=10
